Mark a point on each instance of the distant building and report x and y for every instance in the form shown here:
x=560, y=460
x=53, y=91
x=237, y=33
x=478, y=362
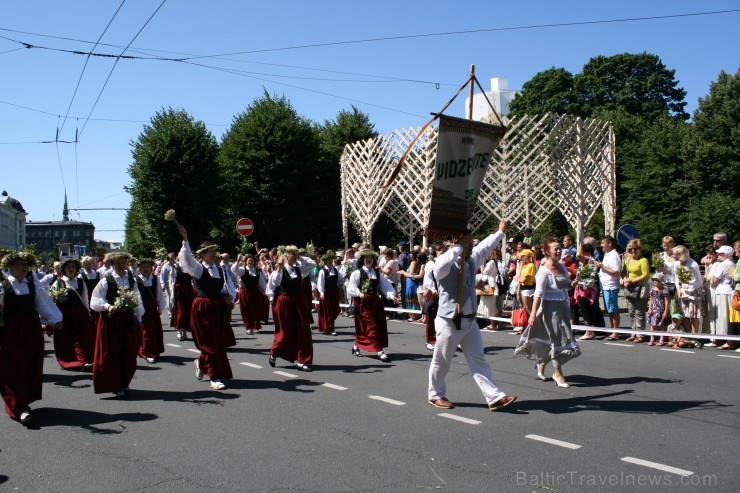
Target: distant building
x=500, y=96
x=12, y=223
x=74, y=238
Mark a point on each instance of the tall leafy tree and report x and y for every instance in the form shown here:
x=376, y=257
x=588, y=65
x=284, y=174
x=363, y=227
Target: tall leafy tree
x=174, y=167
x=549, y=91
x=270, y=160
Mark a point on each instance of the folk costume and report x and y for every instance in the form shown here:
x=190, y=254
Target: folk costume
x=183, y=294
x=152, y=336
x=292, y=340
x=21, y=336
x=118, y=334
x=208, y=312
x=252, y=285
x=328, y=282
x=366, y=286
x=74, y=341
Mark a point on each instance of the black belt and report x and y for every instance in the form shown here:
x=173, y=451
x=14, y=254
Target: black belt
x=469, y=315
x=529, y=286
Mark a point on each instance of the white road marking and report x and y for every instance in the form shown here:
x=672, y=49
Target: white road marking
x=194, y=350
x=285, y=374
x=251, y=365
x=552, y=441
x=459, y=418
x=674, y=350
x=385, y=399
x=728, y=356
x=655, y=465
x=172, y=345
x=332, y=386
x=618, y=344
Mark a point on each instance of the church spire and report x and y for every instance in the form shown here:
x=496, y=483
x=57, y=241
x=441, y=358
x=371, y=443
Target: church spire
x=65, y=211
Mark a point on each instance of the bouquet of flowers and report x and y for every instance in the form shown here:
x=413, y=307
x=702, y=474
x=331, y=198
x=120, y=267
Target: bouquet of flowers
x=170, y=216
x=366, y=287
x=126, y=300
x=684, y=275
x=586, y=274
x=59, y=293
x=657, y=261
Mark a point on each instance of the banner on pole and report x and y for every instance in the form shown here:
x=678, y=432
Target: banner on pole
x=464, y=149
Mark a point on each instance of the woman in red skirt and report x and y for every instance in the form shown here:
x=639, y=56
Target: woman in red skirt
x=74, y=341
x=328, y=284
x=251, y=293
x=292, y=340
x=22, y=300
x=152, y=337
x=209, y=310
x=366, y=286
x=117, y=299
x=183, y=294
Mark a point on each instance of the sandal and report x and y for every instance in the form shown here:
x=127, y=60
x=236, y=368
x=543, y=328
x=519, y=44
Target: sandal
x=631, y=338
x=725, y=347
x=637, y=340
x=611, y=338
x=585, y=338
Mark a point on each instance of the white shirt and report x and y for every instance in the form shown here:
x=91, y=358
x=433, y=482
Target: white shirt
x=79, y=286
x=384, y=286
x=722, y=273
x=321, y=281
x=240, y=270
x=189, y=265
x=303, y=267
x=611, y=261
x=159, y=297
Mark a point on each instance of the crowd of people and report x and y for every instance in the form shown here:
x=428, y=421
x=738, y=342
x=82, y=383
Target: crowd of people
x=103, y=318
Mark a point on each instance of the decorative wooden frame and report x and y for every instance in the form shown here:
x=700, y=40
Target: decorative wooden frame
x=545, y=163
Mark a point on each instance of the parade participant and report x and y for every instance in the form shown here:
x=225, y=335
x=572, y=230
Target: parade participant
x=207, y=316
x=292, y=340
x=365, y=287
x=307, y=294
x=456, y=324
x=431, y=301
x=548, y=336
x=74, y=340
x=89, y=275
x=164, y=280
x=251, y=293
x=22, y=300
x=104, y=269
x=327, y=284
x=225, y=262
x=152, y=338
x=117, y=299
x=183, y=294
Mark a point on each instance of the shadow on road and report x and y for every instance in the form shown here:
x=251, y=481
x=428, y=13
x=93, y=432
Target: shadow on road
x=92, y=421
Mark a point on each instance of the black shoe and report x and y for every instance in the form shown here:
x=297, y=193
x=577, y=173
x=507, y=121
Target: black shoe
x=271, y=360
x=384, y=358
x=356, y=351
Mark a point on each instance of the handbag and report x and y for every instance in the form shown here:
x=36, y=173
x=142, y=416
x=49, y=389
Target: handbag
x=634, y=292
x=736, y=300
x=519, y=317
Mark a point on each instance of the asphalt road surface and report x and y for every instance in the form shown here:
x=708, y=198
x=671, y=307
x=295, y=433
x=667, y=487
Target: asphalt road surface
x=636, y=418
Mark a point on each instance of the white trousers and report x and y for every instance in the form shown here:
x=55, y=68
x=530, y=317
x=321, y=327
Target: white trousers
x=469, y=338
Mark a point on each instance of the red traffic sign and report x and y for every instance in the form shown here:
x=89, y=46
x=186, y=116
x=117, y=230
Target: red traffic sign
x=245, y=226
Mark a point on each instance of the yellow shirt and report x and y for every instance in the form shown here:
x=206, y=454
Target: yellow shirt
x=526, y=276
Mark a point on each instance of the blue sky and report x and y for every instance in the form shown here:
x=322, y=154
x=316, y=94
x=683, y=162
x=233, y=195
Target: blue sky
x=245, y=48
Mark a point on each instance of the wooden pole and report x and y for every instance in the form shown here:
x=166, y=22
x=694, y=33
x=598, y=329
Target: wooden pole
x=463, y=258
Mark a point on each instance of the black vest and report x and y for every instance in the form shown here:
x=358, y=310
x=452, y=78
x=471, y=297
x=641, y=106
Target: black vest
x=89, y=283
x=330, y=278
x=148, y=293
x=72, y=298
x=112, y=294
x=21, y=305
x=249, y=281
x=182, y=278
x=290, y=286
x=373, y=282
x=207, y=286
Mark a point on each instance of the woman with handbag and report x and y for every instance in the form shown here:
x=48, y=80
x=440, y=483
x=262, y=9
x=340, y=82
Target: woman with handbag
x=637, y=272
x=549, y=336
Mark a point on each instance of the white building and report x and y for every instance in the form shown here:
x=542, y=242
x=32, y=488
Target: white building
x=12, y=223
x=500, y=96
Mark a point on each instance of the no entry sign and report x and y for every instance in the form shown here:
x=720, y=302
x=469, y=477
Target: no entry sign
x=245, y=226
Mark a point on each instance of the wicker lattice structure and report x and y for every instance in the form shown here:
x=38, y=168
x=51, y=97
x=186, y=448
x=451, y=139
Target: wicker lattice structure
x=545, y=163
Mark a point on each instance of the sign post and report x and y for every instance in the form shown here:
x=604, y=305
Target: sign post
x=625, y=234
x=245, y=226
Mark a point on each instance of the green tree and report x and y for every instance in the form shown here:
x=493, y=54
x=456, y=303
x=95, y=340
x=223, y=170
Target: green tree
x=270, y=164
x=174, y=167
x=639, y=84
x=550, y=91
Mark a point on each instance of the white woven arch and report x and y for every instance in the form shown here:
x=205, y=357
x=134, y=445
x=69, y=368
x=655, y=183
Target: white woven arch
x=545, y=163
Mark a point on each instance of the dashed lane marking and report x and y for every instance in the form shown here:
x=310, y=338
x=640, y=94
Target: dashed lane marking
x=678, y=351
x=459, y=418
x=728, y=356
x=618, y=344
x=387, y=400
x=194, y=350
x=172, y=345
x=251, y=365
x=552, y=441
x=285, y=374
x=332, y=386
x=655, y=465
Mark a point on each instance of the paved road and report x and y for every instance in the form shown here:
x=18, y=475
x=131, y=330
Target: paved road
x=636, y=418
